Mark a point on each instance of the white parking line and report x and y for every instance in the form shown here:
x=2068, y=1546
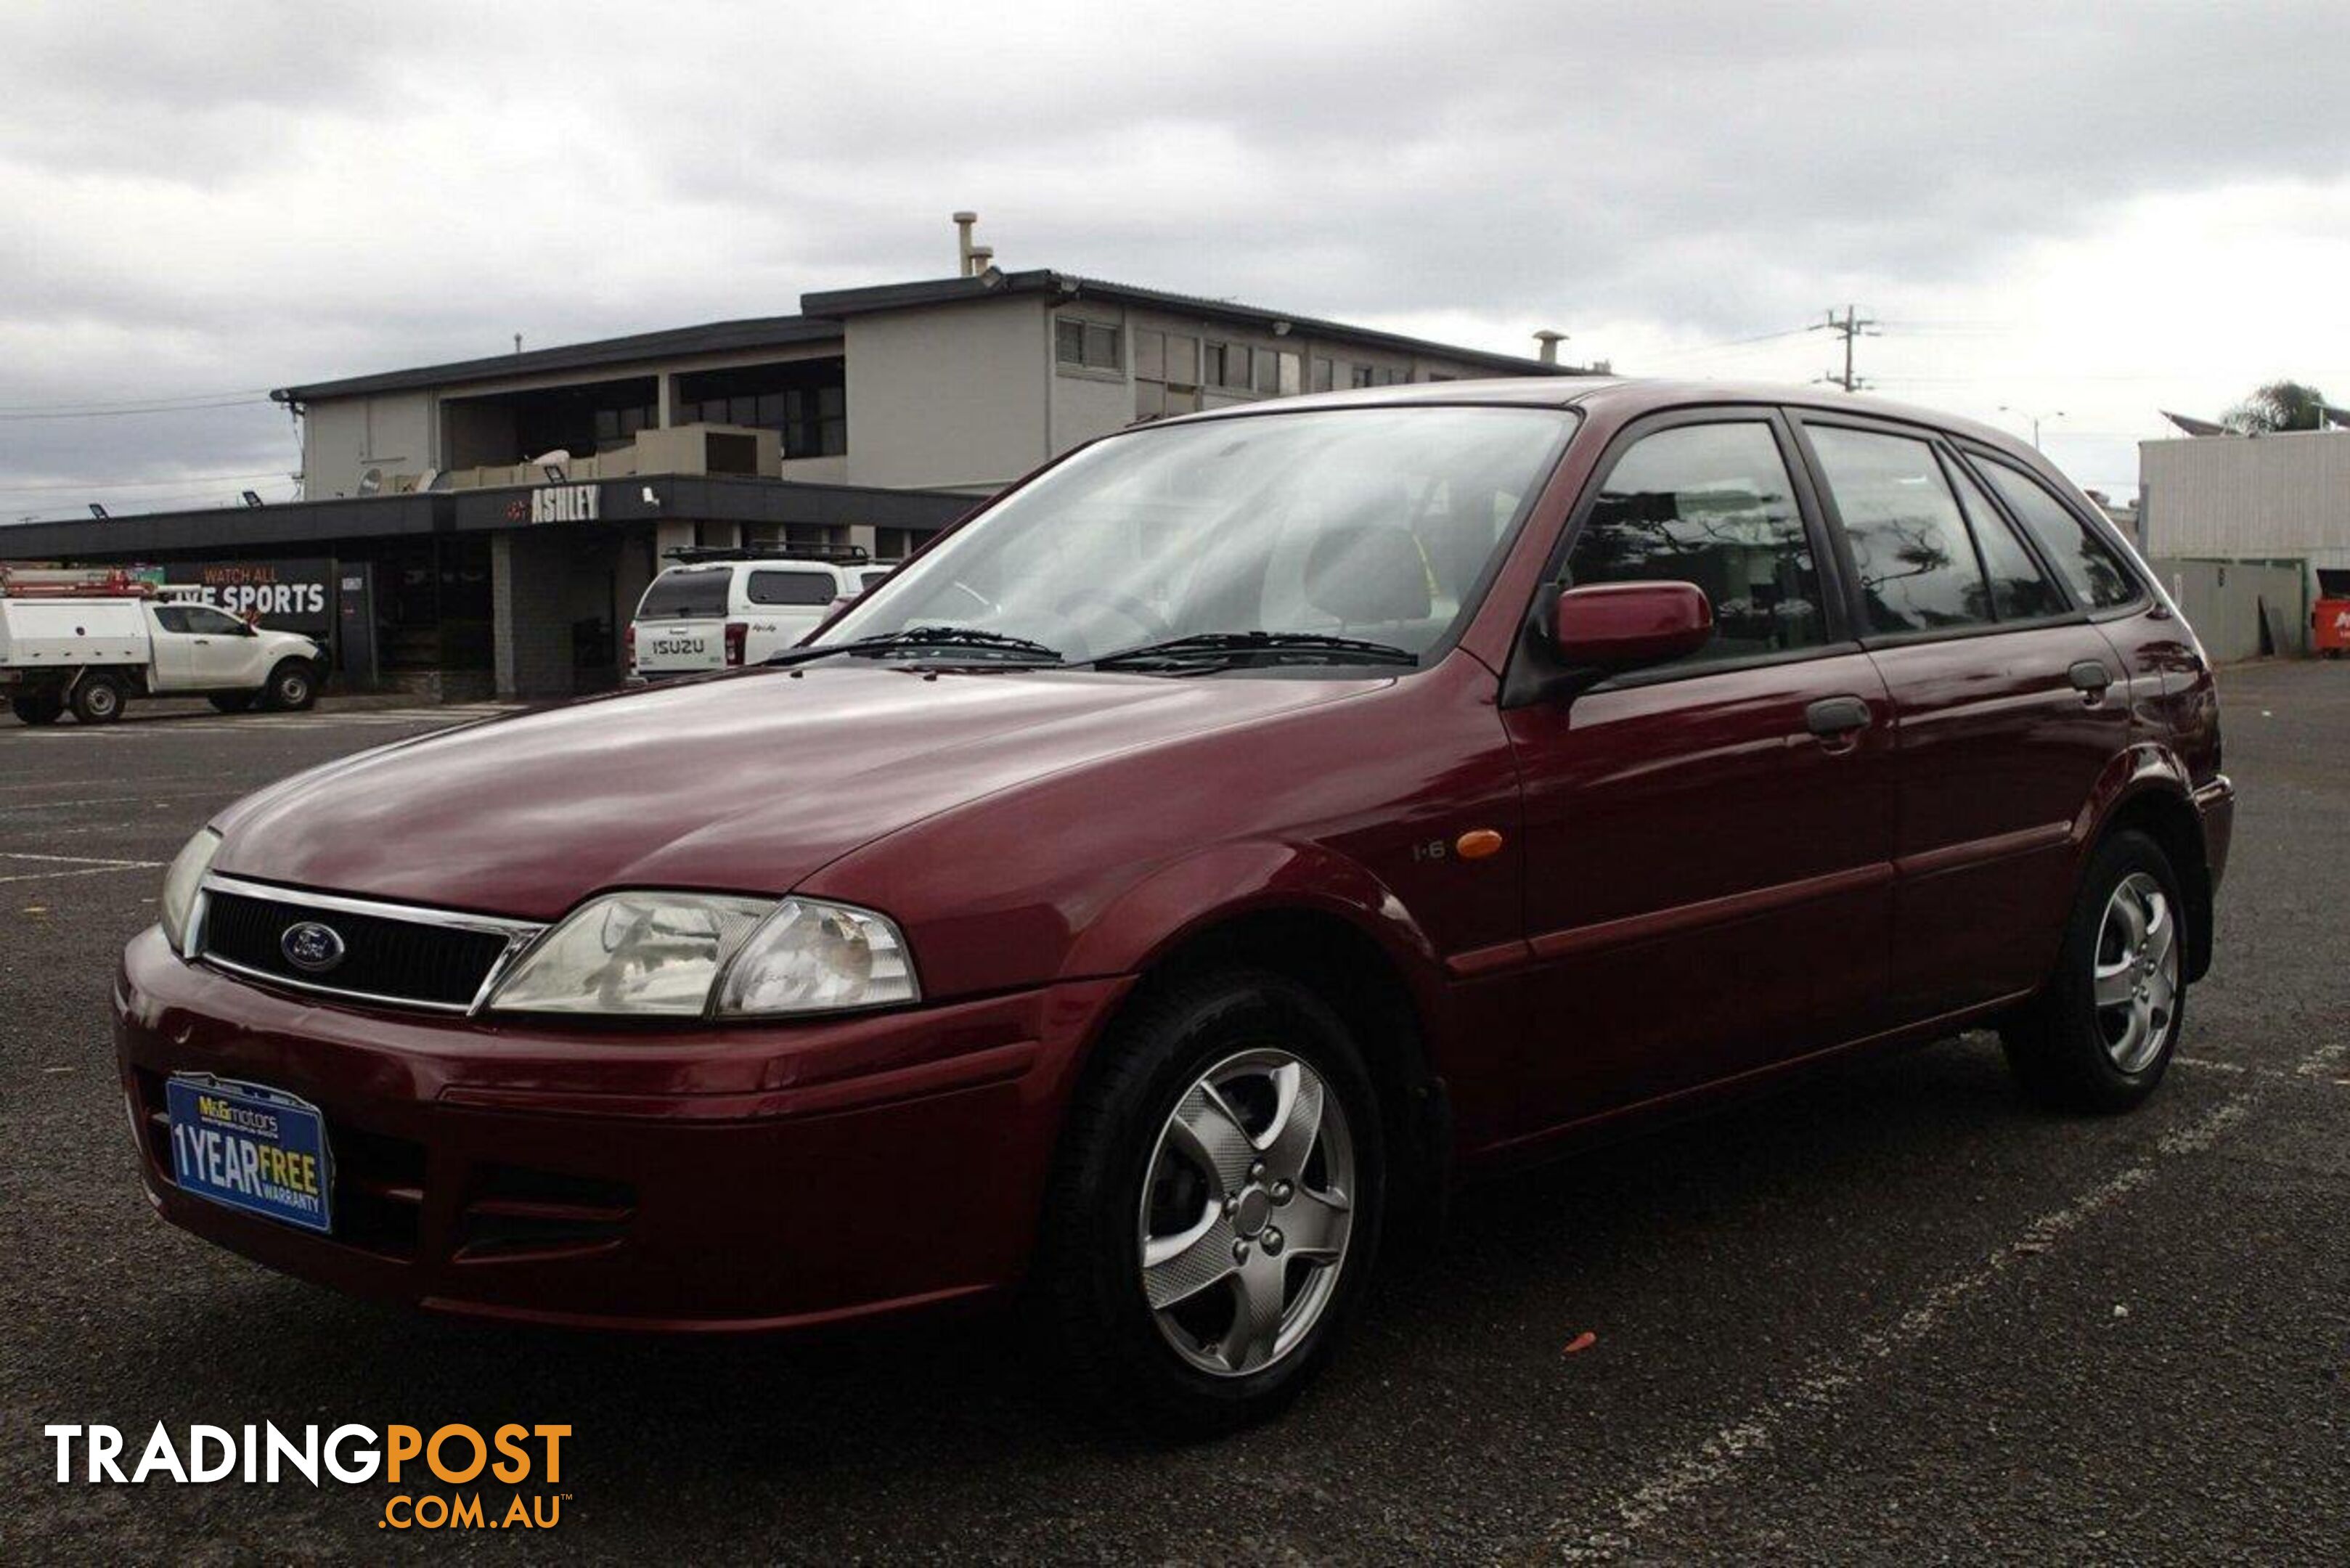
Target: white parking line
x=1829, y=1380
x=73, y=866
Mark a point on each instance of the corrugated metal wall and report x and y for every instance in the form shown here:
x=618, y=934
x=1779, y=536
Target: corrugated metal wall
x=2227, y=602
x=2239, y=499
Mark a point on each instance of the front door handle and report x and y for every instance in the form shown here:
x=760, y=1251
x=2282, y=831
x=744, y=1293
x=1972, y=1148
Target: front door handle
x=2090, y=676
x=1832, y=716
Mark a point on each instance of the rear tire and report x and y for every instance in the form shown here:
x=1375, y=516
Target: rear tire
x=2102, y=1031
x=98, y=700
x=293, y=686
x=233, y=702
x=1180, y=1178
x=44, y=709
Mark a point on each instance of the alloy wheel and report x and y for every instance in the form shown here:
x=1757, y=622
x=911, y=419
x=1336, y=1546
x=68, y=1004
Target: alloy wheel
x=1246, y=1212
x=2134, y=986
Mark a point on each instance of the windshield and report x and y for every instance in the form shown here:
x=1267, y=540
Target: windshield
x=687, y=592
x=1379, y=523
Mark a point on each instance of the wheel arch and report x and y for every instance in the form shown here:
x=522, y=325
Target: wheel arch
x=2149, y=793
x=1327, y=925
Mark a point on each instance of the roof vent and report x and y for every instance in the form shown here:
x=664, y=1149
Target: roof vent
x=965, y=252
x=1549, y=353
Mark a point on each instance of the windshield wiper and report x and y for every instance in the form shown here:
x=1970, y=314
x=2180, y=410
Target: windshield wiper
x=1218, y=647
x=925, y=636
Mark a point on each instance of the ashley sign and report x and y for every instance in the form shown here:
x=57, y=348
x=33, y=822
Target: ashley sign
x=562, y=503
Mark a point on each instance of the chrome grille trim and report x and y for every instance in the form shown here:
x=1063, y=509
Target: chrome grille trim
x=517, y=934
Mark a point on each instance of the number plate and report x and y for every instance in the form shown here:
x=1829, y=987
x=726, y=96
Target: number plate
x=250, y=1147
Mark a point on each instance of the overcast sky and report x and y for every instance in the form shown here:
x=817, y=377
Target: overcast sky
x=2104, y=209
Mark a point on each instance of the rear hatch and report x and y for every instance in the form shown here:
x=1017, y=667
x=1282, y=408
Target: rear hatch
x=680, y=625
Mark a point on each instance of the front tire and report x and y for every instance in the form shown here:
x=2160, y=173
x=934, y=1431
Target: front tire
x=98, y=700
x=293, y=686
x=1215, y=1207
x=2101, y=1032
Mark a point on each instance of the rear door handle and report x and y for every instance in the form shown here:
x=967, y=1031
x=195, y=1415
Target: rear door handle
x=1832, y=716
x=2090, y=677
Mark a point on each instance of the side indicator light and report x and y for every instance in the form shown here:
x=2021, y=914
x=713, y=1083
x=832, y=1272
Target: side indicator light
x=1477, y=843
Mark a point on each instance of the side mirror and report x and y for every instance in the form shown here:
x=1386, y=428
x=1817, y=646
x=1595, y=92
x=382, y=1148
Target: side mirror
x=1623, y=626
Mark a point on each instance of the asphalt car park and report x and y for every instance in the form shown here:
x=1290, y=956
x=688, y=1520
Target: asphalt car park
x=1891, y=1314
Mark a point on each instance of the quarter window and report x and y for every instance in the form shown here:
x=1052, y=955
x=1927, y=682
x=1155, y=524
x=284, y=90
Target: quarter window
x=1709, y=504
x=2019, y=588
x=207, y=621
x=2086, y=563
x=792, y=589
x=171, y=618
x=1917, y=564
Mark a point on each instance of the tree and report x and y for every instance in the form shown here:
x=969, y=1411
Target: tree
x=2278, y=405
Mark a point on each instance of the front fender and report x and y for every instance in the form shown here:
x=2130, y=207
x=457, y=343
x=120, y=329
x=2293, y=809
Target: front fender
x=1182, y=897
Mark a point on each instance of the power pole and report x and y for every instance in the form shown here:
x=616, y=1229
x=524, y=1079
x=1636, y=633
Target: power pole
x=1851, y=326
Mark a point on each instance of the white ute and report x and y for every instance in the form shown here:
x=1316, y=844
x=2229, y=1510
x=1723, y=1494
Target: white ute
x=91, y=641
x=720, y=608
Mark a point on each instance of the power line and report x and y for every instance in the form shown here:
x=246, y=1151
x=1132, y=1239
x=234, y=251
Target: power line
x=156, y=400
x=137, y=483
x=122, y=413
x=1731, y=342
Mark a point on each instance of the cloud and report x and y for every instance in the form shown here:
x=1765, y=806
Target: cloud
x=222, y=197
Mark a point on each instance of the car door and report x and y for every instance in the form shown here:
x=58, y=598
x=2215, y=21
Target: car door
x=1707, y=842
x=224, y=654
x=174, y=666
x=2009, y=705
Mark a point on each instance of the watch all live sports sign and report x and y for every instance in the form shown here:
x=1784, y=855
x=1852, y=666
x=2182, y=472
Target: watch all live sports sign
x=287, y=596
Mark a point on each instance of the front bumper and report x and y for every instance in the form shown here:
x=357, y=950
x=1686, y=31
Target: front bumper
x=736, y=1178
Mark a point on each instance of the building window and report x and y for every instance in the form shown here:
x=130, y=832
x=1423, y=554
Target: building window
x=1359, y=374
x=1228, y=366
x=1087, y=345
x=803, y=400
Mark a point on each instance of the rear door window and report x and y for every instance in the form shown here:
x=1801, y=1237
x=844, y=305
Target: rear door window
x=1910, y=548
x=1709, y=504
x=792, y=589
x=171, y=618
x=2088, y=565
x=686, y=595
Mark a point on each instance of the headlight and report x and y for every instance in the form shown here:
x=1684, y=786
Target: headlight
x=810, y=957
x=181, y=882
x=693, y=954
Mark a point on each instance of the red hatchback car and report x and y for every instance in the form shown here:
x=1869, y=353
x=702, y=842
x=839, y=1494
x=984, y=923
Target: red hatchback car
x=1174, y=878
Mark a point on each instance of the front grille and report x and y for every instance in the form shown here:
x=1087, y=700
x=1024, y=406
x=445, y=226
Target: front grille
x=411, y=961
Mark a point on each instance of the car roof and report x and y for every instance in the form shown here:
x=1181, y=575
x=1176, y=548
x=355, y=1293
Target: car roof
x=1626, y=395
x=764, y=563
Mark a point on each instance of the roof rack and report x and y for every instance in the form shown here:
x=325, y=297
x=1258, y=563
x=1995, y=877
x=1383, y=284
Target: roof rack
x=74, y=583
x=839, y=554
